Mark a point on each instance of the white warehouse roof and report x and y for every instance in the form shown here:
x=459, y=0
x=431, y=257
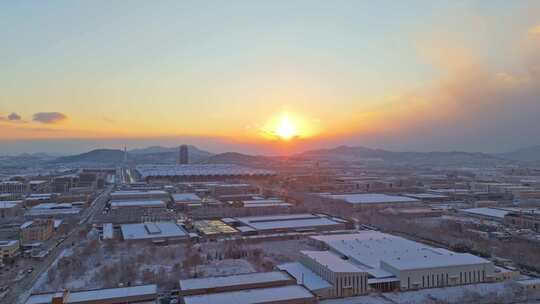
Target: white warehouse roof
x=200, y=170
x=371, y=198
x=155, y=230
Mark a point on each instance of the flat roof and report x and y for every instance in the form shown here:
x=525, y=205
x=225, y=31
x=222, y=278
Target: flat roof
x=250, y=296
x=370, y=248
x=137, y=203
x=97, y=295
x=371, y=198
x=425, y=195
x=260, y=205
x=331, y=261
x=140, y=193
x=152, y=231
x=108, y=231
x=185, y=197
x=212, y=227
x=9, y=204
x=305, y=276
x=233, y=280
x=489, y=212
x=289, y=221
x=8, y=243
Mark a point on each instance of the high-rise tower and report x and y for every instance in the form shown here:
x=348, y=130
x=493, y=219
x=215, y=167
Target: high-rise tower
x=183, y=155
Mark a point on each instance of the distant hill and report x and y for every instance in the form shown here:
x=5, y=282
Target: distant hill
x=351, y=154
x=238, y=158
x=105, y=156
x=151, y=155
x=529, y=154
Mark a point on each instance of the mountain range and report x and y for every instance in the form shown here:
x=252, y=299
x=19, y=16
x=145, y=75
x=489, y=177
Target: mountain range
x=169, y=155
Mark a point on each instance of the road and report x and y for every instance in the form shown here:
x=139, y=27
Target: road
x=20, y=291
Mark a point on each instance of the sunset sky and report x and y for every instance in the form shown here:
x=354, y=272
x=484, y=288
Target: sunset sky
x=269, y=77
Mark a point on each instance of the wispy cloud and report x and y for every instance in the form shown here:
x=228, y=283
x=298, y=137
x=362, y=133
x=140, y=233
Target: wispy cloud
x=14, y=117
x=49, y=117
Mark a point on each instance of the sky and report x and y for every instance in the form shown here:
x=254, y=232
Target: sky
x=269, y=77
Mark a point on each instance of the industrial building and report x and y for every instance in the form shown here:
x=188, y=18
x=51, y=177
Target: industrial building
x=374, y=200
x=192, y=172
x=289, y=223
x=144, y=294
x=154, y=231
x=393, y=262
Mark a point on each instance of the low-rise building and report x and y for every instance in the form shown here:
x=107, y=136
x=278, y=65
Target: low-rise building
x=37, y=230
x=13, y=187
x=8, y=249
x=526, y=220
x=9, y=209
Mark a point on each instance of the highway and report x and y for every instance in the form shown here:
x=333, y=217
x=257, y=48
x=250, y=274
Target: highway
x=20, y=291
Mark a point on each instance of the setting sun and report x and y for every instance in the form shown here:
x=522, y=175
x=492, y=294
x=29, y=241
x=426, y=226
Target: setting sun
x=289, y=126
x=286, y=129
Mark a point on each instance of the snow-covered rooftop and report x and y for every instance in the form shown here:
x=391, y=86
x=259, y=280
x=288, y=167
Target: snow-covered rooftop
x=233, y=280
x=370, y=248
x=250, y=296
x=289, y=221
x=331, y=261
x=155, y=230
